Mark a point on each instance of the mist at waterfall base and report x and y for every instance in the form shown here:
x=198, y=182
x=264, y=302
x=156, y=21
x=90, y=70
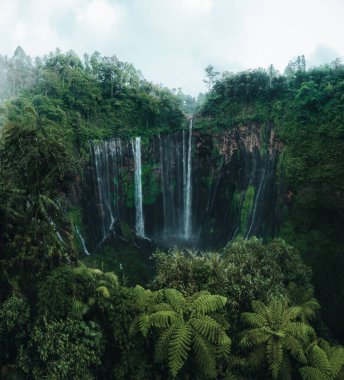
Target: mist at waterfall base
x=186, y=189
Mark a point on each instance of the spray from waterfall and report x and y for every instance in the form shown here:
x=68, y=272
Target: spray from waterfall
x=188, y=188
x=139, y=225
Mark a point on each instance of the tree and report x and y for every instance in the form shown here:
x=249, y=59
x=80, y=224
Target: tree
x=184, y=325
x=275, y=335
x=325, y=362
x=210, y=76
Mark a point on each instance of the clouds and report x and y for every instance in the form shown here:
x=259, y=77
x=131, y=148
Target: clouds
x=99, y=16
x=172, y=41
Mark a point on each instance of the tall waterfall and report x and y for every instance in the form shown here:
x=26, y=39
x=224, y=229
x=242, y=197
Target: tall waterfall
x=139, y=225
x=107, y=162
x=234, y=183
x=188, y=187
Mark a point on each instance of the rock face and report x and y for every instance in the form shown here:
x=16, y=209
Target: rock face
x=198, y=189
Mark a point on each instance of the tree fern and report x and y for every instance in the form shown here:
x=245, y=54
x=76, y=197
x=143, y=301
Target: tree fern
x=179, y=346
x=184, y=328
x=277, y=333
x=304, y=298
x=325, y=362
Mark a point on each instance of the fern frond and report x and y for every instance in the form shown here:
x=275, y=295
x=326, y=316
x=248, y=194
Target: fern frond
x=319, y=360
x=144, y=324
x=293, y=313
x=162, y=307
x=295, y=348
x=276, y=311
x=204, y=355
x=176, y=300
x=254, y=319
x=179, y=346
x=161, y=347
x=210, y=329
x=275, y=356
x=336, y=360
x=310, y=373
x=206, y=304
x=259, y=308
x=300, y=330
x=165, y=318
x=253, y=337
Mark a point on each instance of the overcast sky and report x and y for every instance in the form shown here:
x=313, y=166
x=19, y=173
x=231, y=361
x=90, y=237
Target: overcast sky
x=172, y=41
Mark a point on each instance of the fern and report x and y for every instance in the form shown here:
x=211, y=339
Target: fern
x=175, y=299
x=276, y=331
x=161, y=347
x=204, y=355
x=164, y=319
x=179, y=346
x=210, y=329
x=326, y=362
x=183, y=326
x=320, y=360
x=310, y=373
x=275, y=356
x=205, y=304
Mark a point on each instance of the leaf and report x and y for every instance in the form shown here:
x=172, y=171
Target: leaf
x=204, y=354
x=179, y=347
x=176, y=300
x=310, y=373
x=274, y=356
x=205, y=304
x=320, y=360
x=254, y=319
x=162, y=345
x=210, y=329
x=164, y=319
x=336, y=360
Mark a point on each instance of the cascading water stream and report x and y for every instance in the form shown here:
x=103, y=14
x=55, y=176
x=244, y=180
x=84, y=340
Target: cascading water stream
x=188, y=188
x=82, y=241
x=222, y=169
x=139, y=225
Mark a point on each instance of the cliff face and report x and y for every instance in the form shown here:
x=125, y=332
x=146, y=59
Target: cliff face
x=189, y=188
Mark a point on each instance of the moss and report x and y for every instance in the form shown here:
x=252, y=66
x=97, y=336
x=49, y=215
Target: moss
x=246, y=208
x=207, y=181
x=128, y=184
x=150, y=183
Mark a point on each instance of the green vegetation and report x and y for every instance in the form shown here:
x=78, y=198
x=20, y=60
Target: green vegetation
x=245, y=312
x=306, y=109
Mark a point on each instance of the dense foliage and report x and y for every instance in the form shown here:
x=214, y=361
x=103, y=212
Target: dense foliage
x=245, y=312
x=306, y=109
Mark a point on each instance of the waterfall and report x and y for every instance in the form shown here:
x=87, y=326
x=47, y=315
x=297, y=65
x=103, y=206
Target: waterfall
x=97, y=161
x=139, y=225
x=220, y=167
x=188, y=188
x=82, y=241
x=258, y=197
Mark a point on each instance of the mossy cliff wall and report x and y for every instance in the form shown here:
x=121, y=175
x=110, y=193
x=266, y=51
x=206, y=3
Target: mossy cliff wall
x=232, y=188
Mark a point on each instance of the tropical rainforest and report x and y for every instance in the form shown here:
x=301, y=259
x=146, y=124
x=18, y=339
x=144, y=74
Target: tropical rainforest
x=91, y=290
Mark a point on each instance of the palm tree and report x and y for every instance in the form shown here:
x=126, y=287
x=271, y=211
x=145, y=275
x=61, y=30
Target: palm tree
x=275, y=335
x=183, y=325
x=325, y=362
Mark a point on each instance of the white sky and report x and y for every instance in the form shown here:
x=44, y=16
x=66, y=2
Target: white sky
x=172, y=41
